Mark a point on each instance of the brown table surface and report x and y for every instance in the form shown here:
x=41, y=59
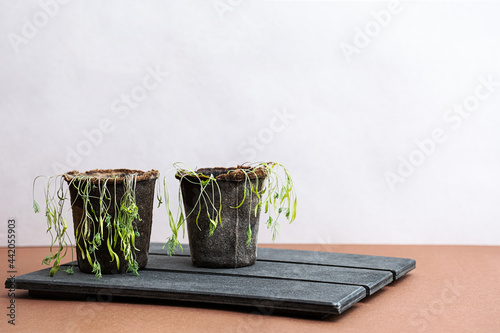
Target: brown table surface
x=453, y=289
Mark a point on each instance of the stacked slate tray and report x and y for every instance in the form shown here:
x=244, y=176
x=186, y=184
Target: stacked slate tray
x=283, y=281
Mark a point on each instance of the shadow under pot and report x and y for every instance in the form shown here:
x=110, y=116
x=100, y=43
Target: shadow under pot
x=112, y=217
x=227, y=246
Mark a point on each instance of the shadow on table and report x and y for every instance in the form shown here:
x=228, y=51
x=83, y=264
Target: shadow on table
x=244, y=309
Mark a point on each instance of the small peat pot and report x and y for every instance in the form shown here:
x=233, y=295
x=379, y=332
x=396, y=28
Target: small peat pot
x=112, y=217
x=216, y=197
x=222, y=209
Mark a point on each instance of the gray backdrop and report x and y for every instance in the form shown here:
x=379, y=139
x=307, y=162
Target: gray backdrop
x=385, y=113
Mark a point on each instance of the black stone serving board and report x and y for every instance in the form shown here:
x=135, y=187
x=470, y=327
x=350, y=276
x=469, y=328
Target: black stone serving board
x=294, y=282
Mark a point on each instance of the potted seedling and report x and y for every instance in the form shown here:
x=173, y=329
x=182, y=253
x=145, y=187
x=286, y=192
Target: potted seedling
x=112, y=218
x=221, y=209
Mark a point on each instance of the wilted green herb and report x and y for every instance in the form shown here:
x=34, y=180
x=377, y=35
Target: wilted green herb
x=121, y=230
x=277, y=192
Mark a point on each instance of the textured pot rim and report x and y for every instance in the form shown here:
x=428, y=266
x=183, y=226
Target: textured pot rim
x=235, y=174
x=110, y=174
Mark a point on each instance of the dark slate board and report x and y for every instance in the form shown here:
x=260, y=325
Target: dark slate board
x=294, y=282
x=398, y=266
x=371, y=280
x=308, y=298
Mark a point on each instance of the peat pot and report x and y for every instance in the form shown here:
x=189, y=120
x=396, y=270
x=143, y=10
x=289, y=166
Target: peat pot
x=144, y=196
x=227, y=246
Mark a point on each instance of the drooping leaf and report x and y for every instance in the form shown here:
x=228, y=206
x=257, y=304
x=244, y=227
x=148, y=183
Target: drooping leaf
x=36, y=208
x=69, y=270
x=249, y=235
x=294, y=210
x=54, y=270
x=47, y=260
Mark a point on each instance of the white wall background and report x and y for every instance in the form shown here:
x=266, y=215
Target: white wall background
x=232, y=67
